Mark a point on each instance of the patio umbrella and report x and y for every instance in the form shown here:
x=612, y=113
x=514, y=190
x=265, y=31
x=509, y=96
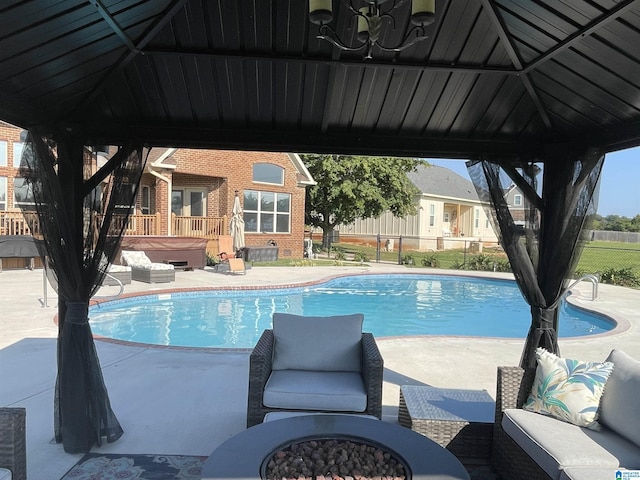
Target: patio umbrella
x=236, y=225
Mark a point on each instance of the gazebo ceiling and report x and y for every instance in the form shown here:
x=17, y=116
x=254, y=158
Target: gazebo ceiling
x=495, y=76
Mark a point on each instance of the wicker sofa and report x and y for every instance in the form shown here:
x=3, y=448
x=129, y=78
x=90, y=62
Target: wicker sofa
x=316, y=364
x=531, y=446
x=13, y=456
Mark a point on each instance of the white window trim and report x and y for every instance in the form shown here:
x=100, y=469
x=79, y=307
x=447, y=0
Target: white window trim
x=5, y=192
x=186, y=197
x=262, y=182
x=4, y=162
x=275, y=212
x=517, y=200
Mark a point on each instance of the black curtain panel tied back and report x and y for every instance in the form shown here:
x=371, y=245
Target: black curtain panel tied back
x=82, y=212
x=542, y=208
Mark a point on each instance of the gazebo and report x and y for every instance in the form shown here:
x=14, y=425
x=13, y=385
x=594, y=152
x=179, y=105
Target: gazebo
x=533, y=93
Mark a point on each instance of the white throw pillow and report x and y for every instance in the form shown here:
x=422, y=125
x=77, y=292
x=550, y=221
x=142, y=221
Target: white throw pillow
x=317, y=343
x=568, y=390
x=620, y=410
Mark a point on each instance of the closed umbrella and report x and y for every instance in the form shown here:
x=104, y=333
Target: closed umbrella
x=236, y=225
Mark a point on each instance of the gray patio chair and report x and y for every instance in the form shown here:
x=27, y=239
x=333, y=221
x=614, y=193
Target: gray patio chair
x=315, y=364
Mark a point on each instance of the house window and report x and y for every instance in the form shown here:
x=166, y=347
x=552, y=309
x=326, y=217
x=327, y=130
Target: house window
x=146, y=200
x=176, y=202
x=3, y=193
x=432, y=215
x=17, y=153
x=477, y=218
x=267, y=212
x=268, y=173
x=517, y=200
x=22, y=192
x=3, y=154
x=189, y=202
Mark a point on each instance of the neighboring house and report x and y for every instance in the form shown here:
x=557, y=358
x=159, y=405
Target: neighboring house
x=515, y=202
x=449, y=215
x=186, y=192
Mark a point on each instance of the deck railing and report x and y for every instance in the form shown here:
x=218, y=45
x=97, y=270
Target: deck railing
x=14, y=223
x=202, y=227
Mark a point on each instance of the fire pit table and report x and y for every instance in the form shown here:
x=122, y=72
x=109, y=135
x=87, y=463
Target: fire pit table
x=244, y=455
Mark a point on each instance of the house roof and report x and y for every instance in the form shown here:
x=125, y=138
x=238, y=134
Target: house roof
x=493, y=77
x=442, y=182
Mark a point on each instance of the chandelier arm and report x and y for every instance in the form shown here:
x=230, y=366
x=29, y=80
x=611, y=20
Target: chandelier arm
x=327, y=33
x=349, y=5
x=403, y=44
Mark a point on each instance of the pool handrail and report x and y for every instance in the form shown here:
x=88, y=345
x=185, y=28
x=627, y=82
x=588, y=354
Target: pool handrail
x=591, y=278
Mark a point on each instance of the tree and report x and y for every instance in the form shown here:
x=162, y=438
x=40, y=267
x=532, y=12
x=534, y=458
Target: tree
x=351, y=187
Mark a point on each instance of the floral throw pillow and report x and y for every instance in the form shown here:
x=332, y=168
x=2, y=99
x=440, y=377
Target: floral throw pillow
x=568, y=390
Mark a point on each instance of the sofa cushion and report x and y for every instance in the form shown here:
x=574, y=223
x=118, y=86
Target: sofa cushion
x=569, y=390
x=620, y=409
x=305, y=390
x=317, y=343
x=554, y=445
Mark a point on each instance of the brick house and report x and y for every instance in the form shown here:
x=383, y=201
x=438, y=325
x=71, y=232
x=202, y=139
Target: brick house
x=189, y=192
x=189, y=183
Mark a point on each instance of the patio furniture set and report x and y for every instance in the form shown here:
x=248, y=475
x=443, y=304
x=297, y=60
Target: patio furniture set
x=320, y=377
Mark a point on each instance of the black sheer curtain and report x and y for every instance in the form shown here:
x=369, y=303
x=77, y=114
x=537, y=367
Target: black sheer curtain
x=81, y=216
x=543, y=237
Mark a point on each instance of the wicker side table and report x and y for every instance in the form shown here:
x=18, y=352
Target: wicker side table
x=459, y=420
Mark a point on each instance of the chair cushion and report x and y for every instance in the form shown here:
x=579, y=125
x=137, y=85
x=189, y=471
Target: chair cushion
x=134, y=257
x=317, y=343
x=568, y=390
x=305, y=390
x=553, y=444
x=281, y=415
x=154, y=266
x=620, y=409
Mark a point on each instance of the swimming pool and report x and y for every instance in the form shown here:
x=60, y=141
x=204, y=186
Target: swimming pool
x=393, y=305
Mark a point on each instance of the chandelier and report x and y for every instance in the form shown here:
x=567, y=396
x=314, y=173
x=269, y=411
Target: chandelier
x=369, y=21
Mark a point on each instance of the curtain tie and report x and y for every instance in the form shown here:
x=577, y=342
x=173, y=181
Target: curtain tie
x=543, y=317
x=77, y=313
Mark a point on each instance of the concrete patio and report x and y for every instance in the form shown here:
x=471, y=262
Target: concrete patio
x=188, y=401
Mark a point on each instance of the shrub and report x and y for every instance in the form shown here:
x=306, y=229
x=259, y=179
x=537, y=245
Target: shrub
x=360, y=257
x=624, y=277
x=212, y=261
x=408, y=259
x=457, y=265
x=502, y=265
x=430, y=261
x=480, y=262
x=338, y=254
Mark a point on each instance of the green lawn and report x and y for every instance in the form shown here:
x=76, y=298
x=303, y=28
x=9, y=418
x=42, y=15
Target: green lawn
x=596, y=257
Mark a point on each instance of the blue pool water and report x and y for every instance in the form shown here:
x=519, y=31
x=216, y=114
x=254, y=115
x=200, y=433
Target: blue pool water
x=393, y=305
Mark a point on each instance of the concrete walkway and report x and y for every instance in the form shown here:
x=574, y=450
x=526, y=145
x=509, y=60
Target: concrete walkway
x=176, y=401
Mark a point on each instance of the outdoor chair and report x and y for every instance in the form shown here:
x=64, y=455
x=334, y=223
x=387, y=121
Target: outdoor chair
x=144, y=270
x=230, y=259
x=315, y=364
x=13, y=451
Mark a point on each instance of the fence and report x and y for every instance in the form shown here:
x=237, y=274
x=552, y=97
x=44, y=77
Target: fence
x=598, y=259
x=609, y=236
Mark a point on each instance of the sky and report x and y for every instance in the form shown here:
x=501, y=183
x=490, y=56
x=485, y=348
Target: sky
x=619, y=182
